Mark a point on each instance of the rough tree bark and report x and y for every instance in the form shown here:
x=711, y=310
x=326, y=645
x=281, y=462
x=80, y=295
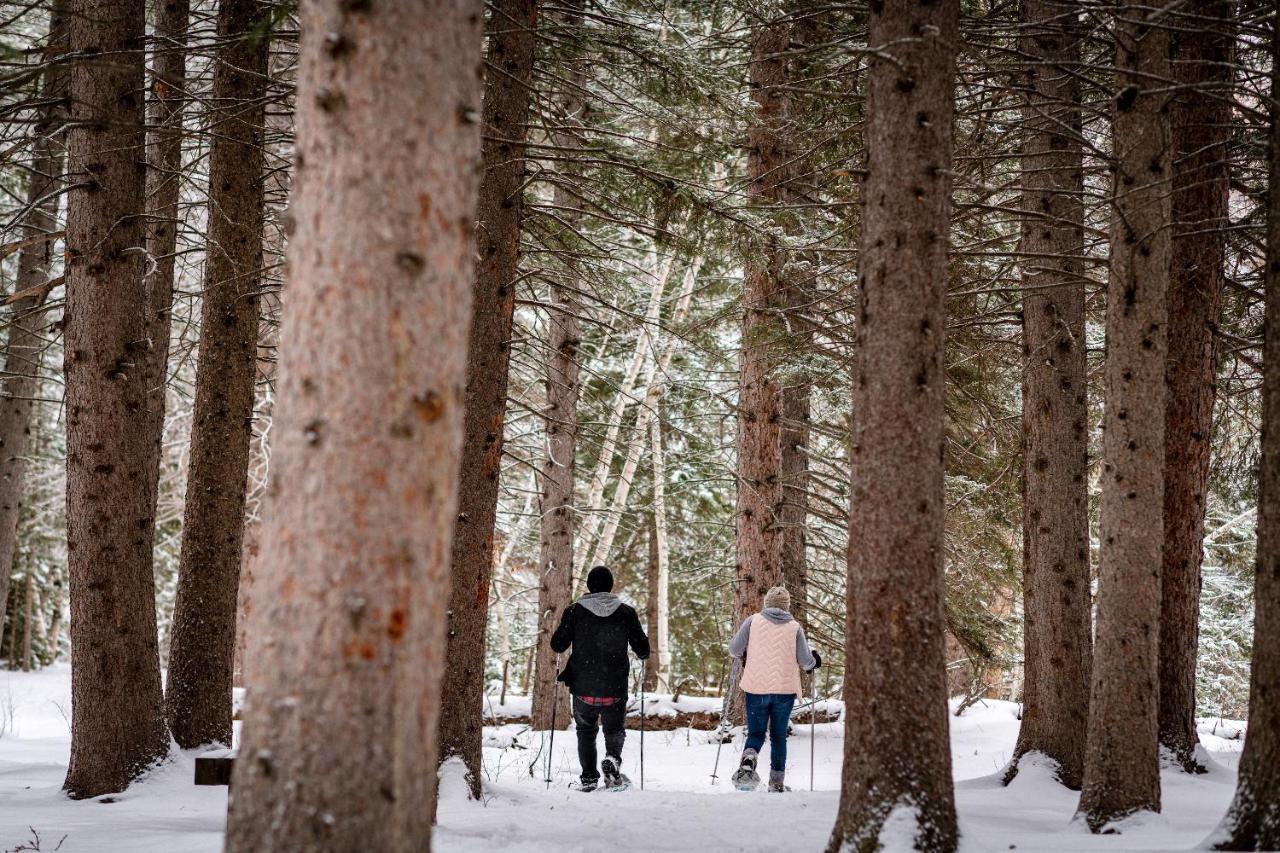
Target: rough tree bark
x=894, y=650
x=1121, y=764
x=1253, y=820
x=117, y=717
x=203, y=636
x=1057, y=605
x=758, y=542
x=556, y=507
x=506, y=116
x=163, y=187
x=348, y=641
x=1201, y=122
x=23, y=348
x=555, y=570
x=793, y=477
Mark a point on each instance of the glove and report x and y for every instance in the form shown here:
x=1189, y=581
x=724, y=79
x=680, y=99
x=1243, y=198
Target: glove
x=817, y=660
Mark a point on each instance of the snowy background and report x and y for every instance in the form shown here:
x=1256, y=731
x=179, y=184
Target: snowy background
x=679, y=810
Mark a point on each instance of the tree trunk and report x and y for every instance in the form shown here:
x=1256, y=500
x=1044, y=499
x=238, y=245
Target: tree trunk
x=563, y=341
x=759, y=500
x=759, y=513
x=895, y=657
x=348, y=640
x=659, y=271
x=1253, y=820
x=55, y=622
x=556, y=506
x=117, y=715
x=661, y=603
x=202, y=644
x=1057, y=603
x=1201, y=122
x=1121, y=764
x=651, y=604
x=793, y=474
x=506, y=117
x=28, y=616
x=163, y=187
x=24, y=348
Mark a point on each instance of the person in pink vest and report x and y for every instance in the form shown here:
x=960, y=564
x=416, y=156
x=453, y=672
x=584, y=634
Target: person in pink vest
x=772, y=649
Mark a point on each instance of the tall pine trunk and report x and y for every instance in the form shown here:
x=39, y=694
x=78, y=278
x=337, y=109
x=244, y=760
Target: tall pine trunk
x=202, y=642
x=1055, y=518
x=506, y=117
x=759, y=447
x=1253, y=820
x=895, y=661
x=348, y=638
x=24, y=346
x=163, y=188
x=117, y=715
x=1121, y=763
x=555, y=569
x=1201, y=120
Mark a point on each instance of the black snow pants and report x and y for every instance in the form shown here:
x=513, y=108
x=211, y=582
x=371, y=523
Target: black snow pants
x=588, y=720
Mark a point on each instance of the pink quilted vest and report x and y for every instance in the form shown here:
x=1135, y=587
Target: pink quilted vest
x=771, y=658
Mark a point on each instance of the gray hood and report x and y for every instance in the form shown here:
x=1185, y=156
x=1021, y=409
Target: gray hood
x=776, y=615
x=600, y=603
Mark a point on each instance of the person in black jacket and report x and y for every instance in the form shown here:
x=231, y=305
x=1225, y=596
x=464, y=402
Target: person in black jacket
x=599, y=627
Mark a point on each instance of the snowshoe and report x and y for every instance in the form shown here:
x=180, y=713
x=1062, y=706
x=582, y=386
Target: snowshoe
x=776, y=784
x=745, y=778
x=587, y=786
x=622, y=784
x=613, y=778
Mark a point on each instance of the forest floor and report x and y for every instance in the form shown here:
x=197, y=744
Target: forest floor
x=679, y=810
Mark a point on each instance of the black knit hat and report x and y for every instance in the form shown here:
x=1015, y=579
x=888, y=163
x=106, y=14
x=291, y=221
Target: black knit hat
x=600, y=579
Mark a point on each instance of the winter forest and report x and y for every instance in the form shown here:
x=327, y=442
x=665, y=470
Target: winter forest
x=904, y=365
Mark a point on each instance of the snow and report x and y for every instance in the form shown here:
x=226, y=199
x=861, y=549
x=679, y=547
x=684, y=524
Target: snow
x=679, y=810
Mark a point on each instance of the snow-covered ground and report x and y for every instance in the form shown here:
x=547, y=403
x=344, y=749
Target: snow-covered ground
x=679, y=810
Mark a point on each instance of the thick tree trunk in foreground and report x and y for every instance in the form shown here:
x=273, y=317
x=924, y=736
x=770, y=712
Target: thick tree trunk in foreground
x=555, y=570
x=202, y=644
x=1122, y=763
x=163, y=187
x=24, y=347
x=895, y=661
x=1253, y=821
x=117, y=718
x=1056, y=585
x=348, y=642
x=1201, y=122
x=506, y=115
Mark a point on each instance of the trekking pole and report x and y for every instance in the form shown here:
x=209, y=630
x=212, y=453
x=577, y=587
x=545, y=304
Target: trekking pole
x=555, y=702
x=813, y=723
x=724, y=715
x=642, y=733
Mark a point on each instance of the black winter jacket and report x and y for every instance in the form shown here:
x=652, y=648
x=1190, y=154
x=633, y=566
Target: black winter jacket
x=599, y=627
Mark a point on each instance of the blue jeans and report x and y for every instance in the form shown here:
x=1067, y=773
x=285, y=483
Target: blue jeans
x=771, y=711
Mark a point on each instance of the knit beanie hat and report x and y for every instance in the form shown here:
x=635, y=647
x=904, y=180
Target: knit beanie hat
x=778, y=597
x=600, y=579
